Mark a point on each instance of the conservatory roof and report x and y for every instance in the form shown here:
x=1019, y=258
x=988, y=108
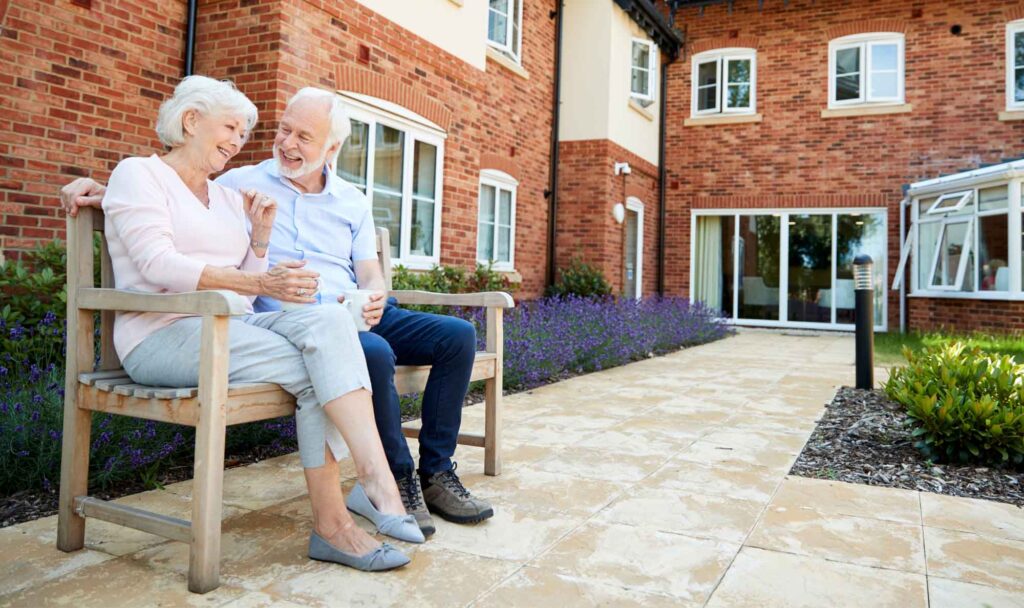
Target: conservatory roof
x=968, y=179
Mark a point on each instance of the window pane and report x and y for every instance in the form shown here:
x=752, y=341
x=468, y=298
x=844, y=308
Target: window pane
x=424, y=170
x=991, y=199
x=639, y=83
x=759, y=249
x=1018, y=49
x=928, y=236
x=994, y=252
x=1018, y=94
x=497, y=21
x=738, y=96
x=485, y=242
x=707, y=73
x=387, y=213
x=353, y=156
x=505, y=208
x=950, y=250
x=641, y=55
x=707, y=98
x=504, y=239
x=387, y=159
x=739, y=71
x=713, y=273
x=884, y=57
x=487, y=204
x=515, y=28
x=848, y=61
x=810, y=267
x=421, y=238
x=856, y=234
x=884, y=84
x=848, y=87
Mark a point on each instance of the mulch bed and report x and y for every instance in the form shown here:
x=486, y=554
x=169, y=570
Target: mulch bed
x=863, y=438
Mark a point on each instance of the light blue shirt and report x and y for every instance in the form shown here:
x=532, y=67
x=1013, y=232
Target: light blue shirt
x=331, y=229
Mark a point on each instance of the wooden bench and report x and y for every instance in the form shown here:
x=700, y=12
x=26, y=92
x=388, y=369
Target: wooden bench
x=209, y=407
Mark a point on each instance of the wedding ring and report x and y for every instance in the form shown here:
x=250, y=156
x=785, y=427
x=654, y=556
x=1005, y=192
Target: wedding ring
x=301, y=292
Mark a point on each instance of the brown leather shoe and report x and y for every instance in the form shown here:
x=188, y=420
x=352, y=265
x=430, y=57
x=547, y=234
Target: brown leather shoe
x=412, y=497
x=446, y=496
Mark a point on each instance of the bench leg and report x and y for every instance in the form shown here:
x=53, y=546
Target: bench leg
x=208, y=482
x=74, y=472
x=492, y=426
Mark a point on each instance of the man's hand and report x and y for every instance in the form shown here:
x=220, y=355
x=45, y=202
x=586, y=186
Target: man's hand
x=83, y=192
x=374, y=310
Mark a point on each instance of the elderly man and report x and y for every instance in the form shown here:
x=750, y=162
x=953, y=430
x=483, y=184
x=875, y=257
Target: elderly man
x=328, y=222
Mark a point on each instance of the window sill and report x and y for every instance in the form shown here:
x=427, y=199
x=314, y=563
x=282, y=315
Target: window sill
x=972, y=295
x=639, y=109
x=722, y=119
x=1011, y=115
x=899, y=108
x=507, y=62
x=456, y=2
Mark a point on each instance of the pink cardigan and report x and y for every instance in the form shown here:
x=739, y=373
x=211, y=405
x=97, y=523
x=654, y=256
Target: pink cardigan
x=161, y=237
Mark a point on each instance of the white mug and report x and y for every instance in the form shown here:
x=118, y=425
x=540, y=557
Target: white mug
x=355, y=300
x=287, y=306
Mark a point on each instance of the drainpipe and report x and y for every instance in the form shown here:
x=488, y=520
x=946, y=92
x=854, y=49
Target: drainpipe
x=190, y=37
x=903, y=284
x=552, y=193
x=662, y=171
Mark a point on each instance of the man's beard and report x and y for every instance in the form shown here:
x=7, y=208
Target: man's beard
x=304, y=170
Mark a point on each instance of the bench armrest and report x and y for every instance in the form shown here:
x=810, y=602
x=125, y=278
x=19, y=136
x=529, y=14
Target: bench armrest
x=212, y=302
x=487, y=299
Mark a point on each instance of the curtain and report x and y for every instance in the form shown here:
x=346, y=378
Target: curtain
x=707, y=278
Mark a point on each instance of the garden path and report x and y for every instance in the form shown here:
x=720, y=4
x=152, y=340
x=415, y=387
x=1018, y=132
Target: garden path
x=660, y=483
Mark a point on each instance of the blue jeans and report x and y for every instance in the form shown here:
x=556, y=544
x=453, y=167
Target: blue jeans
x=405, y=337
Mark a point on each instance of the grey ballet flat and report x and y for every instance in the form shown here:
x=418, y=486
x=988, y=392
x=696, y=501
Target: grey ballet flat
x=402, y=527
x=384, y=557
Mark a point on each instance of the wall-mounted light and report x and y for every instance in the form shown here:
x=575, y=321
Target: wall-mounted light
x=619, y=213
x=623, y=169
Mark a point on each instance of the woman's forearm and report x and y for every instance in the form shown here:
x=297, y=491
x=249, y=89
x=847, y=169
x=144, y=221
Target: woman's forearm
x=241, y=282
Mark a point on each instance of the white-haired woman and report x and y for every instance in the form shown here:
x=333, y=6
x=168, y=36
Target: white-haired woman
x=170, y=229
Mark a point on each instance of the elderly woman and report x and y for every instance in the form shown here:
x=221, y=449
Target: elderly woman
x=170, y=229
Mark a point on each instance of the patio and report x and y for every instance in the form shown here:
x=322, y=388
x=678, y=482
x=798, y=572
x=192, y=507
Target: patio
x=661, y=483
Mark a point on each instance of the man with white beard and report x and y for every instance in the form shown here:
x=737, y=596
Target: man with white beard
x=328, y=223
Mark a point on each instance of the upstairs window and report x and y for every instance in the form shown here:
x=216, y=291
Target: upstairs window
x=505, y=27
x=866, y=69
x=642, y=71
x=724, y=82
x=1015, y=65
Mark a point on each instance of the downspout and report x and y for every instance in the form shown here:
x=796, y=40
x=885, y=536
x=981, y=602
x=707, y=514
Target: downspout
x=662, y=171
x=552, y=193
x=190, y=37
x=903, y=284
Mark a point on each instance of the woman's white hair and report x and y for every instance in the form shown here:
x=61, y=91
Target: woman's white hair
x=341, y=128
x=206, y=96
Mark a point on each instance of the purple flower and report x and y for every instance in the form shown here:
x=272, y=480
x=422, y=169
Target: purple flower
x=48, y=319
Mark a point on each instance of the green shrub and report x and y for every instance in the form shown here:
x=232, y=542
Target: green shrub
x=450, y=279
x=580, y=279
x=968, y=406
x=34, y=286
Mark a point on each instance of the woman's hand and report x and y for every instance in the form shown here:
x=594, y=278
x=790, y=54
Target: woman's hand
x=260, y=209
x=287, y=282
x=83, y=192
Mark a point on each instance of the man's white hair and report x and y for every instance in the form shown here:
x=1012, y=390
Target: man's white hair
x=206, y=96
x=341, y=128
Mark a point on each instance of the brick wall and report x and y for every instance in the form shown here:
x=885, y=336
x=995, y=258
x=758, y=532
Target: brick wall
x=587, y=191
x=80, y=91
x=796, y=158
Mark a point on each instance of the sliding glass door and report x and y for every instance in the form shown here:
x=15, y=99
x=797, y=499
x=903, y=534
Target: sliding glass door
x=791, y=268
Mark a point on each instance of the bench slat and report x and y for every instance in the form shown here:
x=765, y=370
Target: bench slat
x=90, y=378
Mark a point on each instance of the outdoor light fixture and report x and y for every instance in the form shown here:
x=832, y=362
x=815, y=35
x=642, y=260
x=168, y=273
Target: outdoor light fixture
x=619, y=213
x=623, y=169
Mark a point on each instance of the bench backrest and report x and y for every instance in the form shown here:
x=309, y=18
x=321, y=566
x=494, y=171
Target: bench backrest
x=81, y=232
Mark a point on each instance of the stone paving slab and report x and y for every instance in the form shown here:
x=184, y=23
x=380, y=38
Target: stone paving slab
x=660, y=483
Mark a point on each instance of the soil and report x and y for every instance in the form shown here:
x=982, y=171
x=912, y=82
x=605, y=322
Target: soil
x=864, y=437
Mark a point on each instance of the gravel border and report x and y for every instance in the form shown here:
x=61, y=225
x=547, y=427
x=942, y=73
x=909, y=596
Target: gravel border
x=863, y=438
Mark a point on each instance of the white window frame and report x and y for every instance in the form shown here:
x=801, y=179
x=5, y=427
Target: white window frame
x=651, y=68
x=880, y=266
x=864, y=43
x=507, y=46
x=722, y=57
x=965, y=254
x=635, y=204
x=1012, y=28
x=964, y=197
x=499, y=180
x=414, y=131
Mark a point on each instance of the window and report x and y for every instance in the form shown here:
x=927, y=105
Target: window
x=1015, y=65
x=504, y=26
x=960, y=241
x=724, y=82
x=496, y=224
x=866, y=68
x=642, y=70
x=399, y=168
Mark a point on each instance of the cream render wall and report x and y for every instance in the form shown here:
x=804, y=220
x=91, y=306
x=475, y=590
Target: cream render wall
x=457, y=27
x=596, y=54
